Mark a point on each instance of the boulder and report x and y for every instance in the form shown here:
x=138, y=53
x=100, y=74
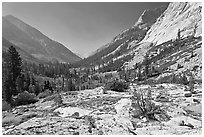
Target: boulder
x=189, y=125
x=163, y=99
x=188, y=121
x=181, y=123
x=75, y=114
x=11, y=120
x=69, y=111
x=105, y=92
x=195, y=110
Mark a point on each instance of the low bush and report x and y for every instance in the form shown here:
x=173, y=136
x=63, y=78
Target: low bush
x=24, y=98
x=44, y=94
x=142, y=103
x=177, y=79
x=118, y=86
x=56, y=98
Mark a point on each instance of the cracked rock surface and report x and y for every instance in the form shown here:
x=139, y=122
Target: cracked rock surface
x=95, y=113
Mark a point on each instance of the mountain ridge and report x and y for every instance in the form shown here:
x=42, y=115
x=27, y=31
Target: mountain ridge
x=26, y=56
x=134, y=33
x=157, y=41
x=177, y=16
x=35, y=42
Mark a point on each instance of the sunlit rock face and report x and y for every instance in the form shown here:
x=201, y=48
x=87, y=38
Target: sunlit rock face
x=185, y=16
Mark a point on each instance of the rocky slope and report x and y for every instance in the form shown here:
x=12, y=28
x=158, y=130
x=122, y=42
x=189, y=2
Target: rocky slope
x=26, y=56
x=155, y=34
x=34, y=42
x=184, y=16
x=90, y=112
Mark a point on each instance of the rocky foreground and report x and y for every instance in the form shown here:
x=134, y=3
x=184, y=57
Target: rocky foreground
x=91, y=112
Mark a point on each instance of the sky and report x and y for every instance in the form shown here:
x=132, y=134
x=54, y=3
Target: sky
x=81, y=27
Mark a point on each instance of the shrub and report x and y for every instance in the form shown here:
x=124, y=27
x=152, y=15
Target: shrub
x=25, y=98
x=119, y=86
x=5, y=106
x=44, y=94
x=179, y=79
x=142, y=102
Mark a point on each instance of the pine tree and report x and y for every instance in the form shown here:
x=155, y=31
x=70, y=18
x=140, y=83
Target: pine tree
x=4, y=78
x=13, y=65
x=20, y=83
x=27, y=81
x=70, y=85
x=47, y=85
x=37, y=88
x=32, y=78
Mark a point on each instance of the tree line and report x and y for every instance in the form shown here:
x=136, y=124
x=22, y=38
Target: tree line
x=19, y=75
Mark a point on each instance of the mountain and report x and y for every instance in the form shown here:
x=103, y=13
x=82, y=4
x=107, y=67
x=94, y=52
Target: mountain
x=34, y=42
x=119, y=45
x=155, y=36
x=184, y=16
x=26, y=56
x=168, y=53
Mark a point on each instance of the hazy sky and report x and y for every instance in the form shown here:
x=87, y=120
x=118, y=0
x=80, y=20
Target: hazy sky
x=81, y=27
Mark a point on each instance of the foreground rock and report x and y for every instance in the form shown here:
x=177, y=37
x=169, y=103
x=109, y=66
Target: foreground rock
x=90, y=112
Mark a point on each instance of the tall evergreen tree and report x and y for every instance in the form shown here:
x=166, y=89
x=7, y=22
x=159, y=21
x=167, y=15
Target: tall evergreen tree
x=27, y=81
x=37, y=88
x=20, y=83
x=70, y=85
x=13, y=65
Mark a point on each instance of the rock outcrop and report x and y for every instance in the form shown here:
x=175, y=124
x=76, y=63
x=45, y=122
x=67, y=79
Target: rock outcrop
x=95, y=113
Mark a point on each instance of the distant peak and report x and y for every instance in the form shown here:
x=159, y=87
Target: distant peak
x=10, y=16
x=149, y=16
x=140, y=18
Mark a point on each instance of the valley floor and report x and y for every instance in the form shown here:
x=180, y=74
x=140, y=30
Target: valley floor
x=90, y=112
